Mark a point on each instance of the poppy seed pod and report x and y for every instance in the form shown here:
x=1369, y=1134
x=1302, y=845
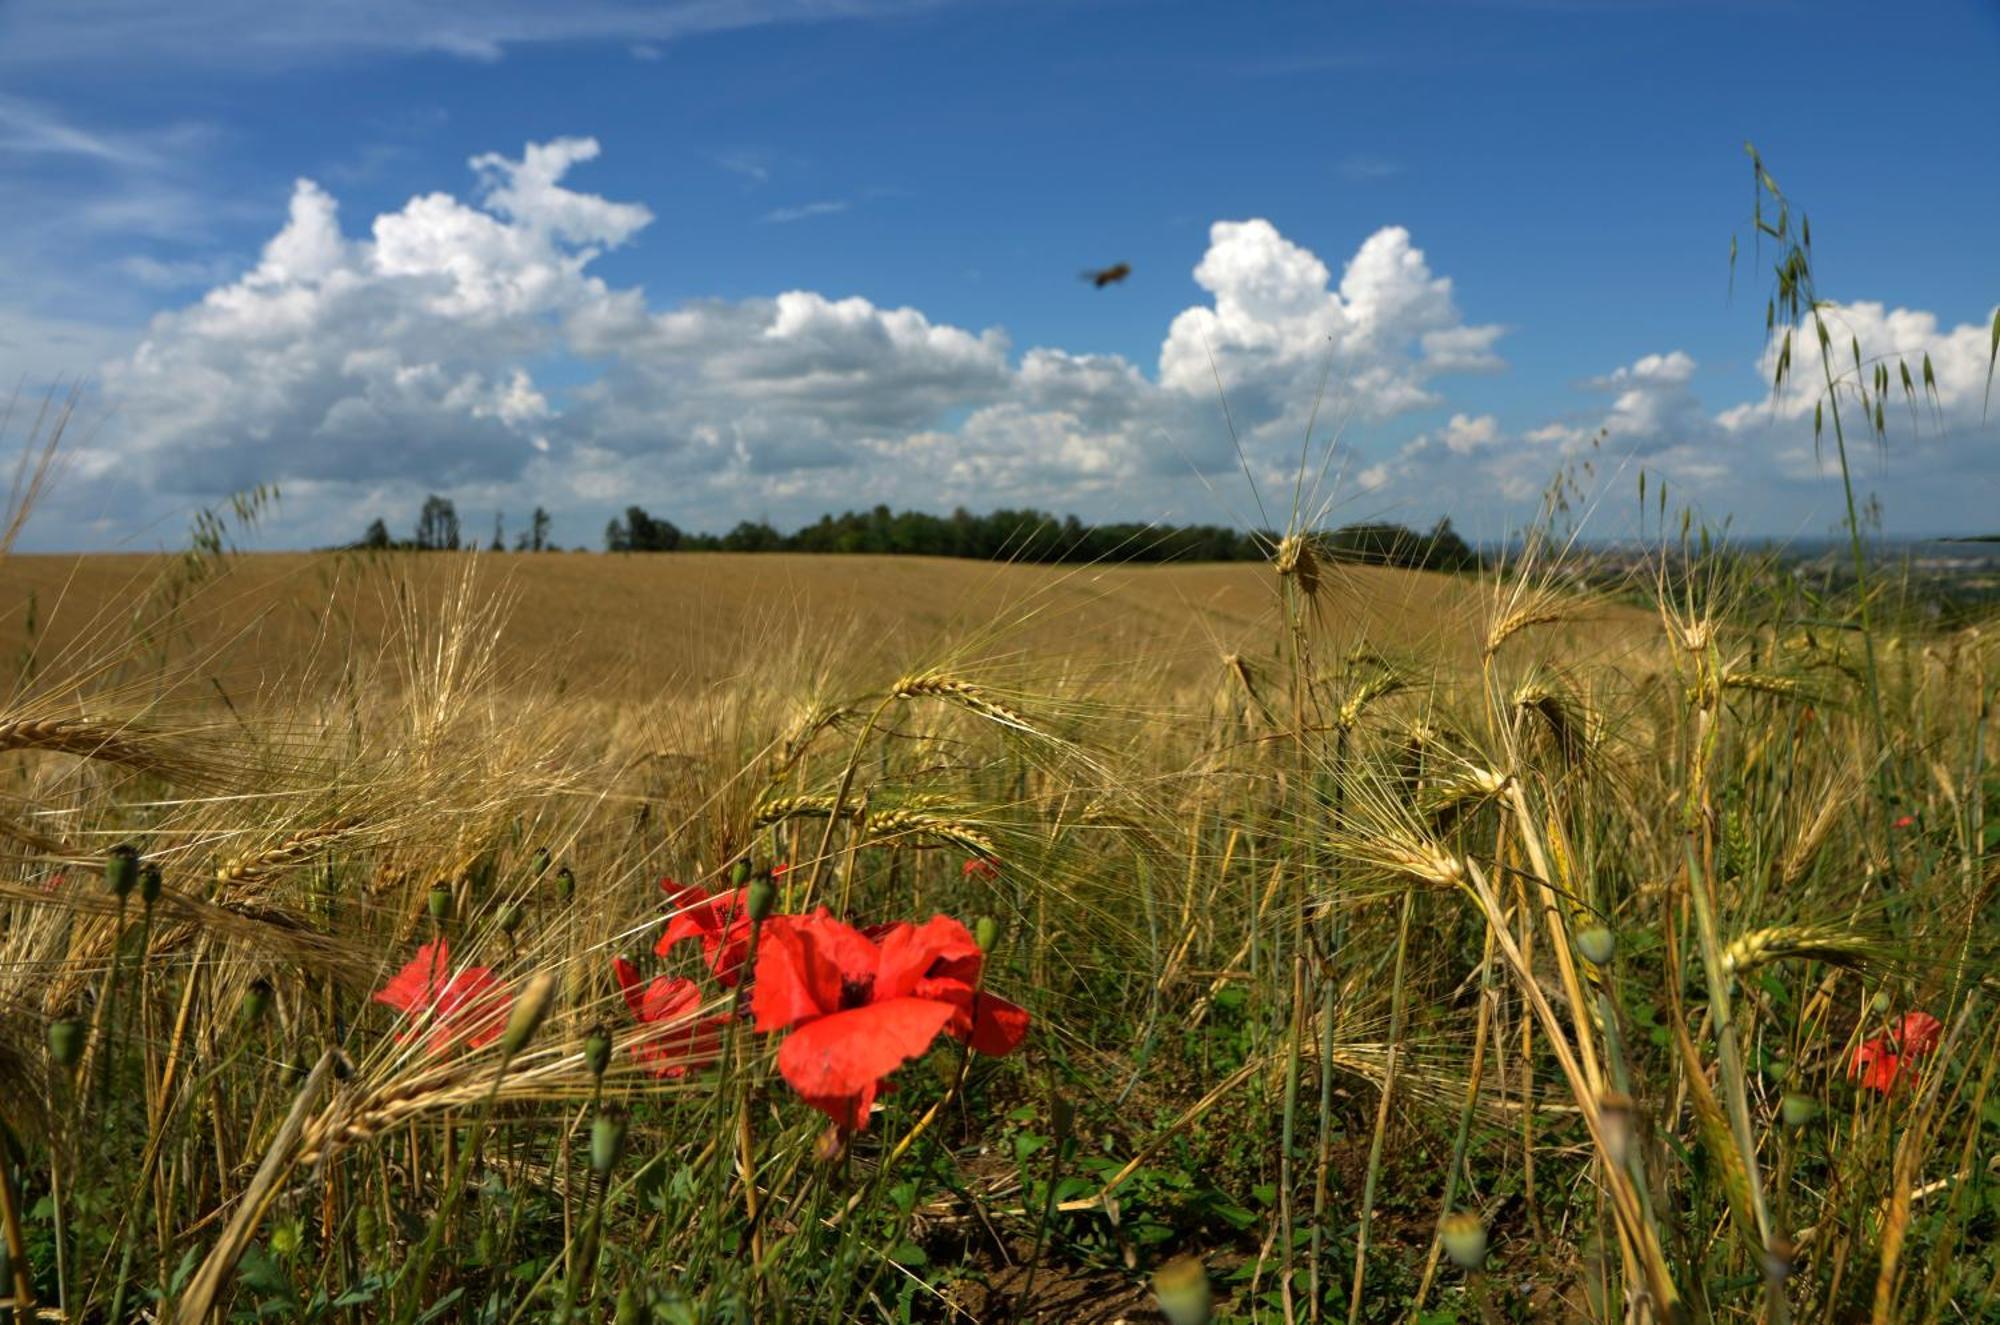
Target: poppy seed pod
x=256, y=1001
x=1597, y=944
x=1798, y=1110
x=530, y=1009
x=121, y=870
x=66, y=1040
x=440, y=902
x=739, y=873
x=510, y=919
x=539, y=862
x=565, y=884
x=986, y=933
x=1182, y=1289
x=597, y=1050
x=150, y=884
x=759, y=898
x=1464, y=1237
x=607, y=1142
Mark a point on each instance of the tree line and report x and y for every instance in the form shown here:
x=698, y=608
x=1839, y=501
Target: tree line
x=1004, y=535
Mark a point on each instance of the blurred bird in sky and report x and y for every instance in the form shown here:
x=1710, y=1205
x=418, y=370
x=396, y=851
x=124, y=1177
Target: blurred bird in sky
x=1111, y=275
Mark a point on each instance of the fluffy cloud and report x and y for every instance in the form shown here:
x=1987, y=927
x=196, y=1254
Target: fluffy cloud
x=1938, y=458
x=424, y=353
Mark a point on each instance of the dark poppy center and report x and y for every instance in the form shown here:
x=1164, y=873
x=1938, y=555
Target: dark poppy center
x=856, y=993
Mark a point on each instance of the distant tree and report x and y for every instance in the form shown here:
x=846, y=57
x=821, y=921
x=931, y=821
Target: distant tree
x=377, y=537
x=538, y=539
x=499, y=543
x=645, y=534
x=616, y=538
x=437, y=525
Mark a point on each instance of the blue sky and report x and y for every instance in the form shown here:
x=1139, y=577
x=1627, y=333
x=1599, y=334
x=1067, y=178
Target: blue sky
x=770, y=258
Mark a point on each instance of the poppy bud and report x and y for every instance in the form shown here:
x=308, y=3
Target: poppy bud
x=66, y=1039
x=1182, y=1289
x=1062, y=1118
x=986, y=933
x=440, y=902
x=539, y=862
x=597, y=1050
x=1798, y=1110
x=510, y=919
x=565, y=884
x=607, y=1142
x=150, y=884
x=121, y=870
x=630, y=1310
x=256, y=1001
x=1881, y=1001
x=529, y=1011
x=739, y=873
x=1597, y=944
x=759, y=898
x=1464, y=1236
x=364, y=1225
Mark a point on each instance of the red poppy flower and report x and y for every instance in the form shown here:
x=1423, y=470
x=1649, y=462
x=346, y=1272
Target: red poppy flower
x=1918, y=1033
x=720, y=921
x=860, y=1007
x=468, y=1005
x=1907, y=821
x=1876, y=1065
x=980, y=867
x=683, y=1042
x=1881, y=1060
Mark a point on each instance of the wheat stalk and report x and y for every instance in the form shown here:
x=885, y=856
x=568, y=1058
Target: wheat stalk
x=963, y=693
x=1760, y=947
x=256, y=866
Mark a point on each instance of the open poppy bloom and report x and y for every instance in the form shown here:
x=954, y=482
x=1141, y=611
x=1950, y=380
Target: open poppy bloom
x=683, y=1042
x=858, y=1007
x=721, y=921
x=1881, y=1059
x=980, y=867
x=468, y=1005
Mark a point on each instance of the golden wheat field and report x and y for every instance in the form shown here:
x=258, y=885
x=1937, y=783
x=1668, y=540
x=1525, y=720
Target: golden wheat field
x=614, y=628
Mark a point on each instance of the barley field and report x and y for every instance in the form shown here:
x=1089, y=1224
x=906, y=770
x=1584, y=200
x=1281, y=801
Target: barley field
x=758, y=938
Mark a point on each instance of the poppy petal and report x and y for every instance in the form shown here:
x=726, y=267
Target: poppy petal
x=1918, y=1033
x=783, y=994
x=628, y=984
x=998, y=1027
x=910, y=951
x=413, y=988
x=850, y=1051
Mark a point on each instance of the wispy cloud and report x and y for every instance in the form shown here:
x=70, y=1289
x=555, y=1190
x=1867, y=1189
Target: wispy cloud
x=1362, y=168
x=785, y=215
x=264, y=37
x=33, y=129
x=751, y=165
